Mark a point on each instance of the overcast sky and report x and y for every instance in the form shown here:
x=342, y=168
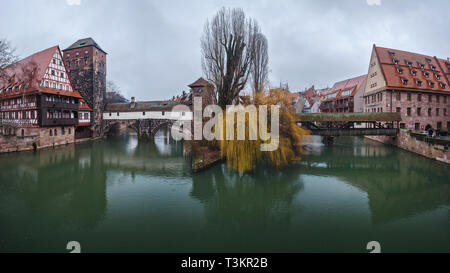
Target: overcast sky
x=154, y=46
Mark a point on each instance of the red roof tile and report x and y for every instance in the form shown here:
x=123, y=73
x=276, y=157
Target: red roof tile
x=392, y=61
x=199, y=83
x=31, y=70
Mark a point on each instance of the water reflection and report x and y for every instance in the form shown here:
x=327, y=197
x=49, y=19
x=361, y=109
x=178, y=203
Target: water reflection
x=399, y=184
x=338, y=195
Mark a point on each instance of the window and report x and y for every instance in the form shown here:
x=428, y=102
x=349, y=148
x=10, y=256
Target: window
x=63, y=131
x=86, y=52
x=437, y=98
x=437, y=112
x=398, y=109
x=143, y=113
x=55, y=132
x=442, y=85
x=419, y=83
x=77, y=53
x=408, y=63
x=428, y=60
x=430, y=98
x=426, y=74
x=408, y=111
x=445, y=112
x=110, y=114
x=118, y=114
x=409, y=96
x=183, y=114
x=399, y=96
x=163, y=113
x=413, y=72
x=402, y=126
x=404, y=81
x=419, y=97
x=429, y=112
x=395, y=61
x=53, y=72
x=439, y=125
x=431, y=84
x=51, y=133
x=399, y=70
x=68, y=55
x=437, y=76
x=391, y=53
x=417, y=126
x=70, y=131
x=421, y=66
x=433, y=67
x=419, y=111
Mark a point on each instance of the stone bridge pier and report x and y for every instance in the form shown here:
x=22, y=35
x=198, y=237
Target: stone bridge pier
x=145, y=128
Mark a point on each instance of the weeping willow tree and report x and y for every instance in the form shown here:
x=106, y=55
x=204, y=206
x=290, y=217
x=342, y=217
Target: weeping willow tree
x=246, y=155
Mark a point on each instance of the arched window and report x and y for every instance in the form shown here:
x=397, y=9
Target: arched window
x=51, y=132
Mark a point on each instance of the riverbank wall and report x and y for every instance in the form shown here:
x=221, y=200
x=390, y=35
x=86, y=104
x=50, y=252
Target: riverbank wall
x=422, y=145
x=36, y=138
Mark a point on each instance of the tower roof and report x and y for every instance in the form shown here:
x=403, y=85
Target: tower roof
x=84, y=43
x=199, y=83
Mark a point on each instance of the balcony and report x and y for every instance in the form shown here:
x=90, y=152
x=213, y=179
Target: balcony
x=59, y=121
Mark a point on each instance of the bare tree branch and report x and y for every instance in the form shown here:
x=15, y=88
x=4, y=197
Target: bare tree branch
x=228, y=45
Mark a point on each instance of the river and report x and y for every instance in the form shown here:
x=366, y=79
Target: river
x=125, y=195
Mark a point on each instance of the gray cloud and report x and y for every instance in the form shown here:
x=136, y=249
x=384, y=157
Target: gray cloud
x=154, y=46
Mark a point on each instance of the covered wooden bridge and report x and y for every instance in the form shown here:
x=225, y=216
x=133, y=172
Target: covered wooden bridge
x=351, y=124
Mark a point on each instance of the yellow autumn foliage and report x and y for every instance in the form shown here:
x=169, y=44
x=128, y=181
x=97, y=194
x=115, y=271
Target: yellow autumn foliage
x=246, y=155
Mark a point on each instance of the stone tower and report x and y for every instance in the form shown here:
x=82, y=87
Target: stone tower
x=86, y=63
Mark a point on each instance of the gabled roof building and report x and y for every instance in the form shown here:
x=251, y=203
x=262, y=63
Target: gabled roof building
x=344, y=96
x=37, y=99
x=416, y=85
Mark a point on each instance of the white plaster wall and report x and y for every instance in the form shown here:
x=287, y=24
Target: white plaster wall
x=148, y=115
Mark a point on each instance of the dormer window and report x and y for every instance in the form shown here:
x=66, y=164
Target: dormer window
x=426, y=74
x=421, y=66
x=442, y=85
x=413, y=72
x=433, y=67
x=391, y=53
x=419, y=83
x=408, y=63
x=431, y=84
x=395, y=61
x=405, y=81
x=437, y=76
x=428, y=60
x=399, y=70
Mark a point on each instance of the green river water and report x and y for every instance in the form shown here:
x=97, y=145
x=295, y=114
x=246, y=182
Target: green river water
x=125, y=195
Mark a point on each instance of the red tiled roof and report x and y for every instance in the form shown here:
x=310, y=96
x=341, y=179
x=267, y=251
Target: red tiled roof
x=83, y=105
x=199, y=83
x=353, y=83
x=38, y=61
x=34, y=65
x=408, y=62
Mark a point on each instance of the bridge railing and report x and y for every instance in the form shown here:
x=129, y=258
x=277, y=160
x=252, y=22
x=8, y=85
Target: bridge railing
x=349, y=117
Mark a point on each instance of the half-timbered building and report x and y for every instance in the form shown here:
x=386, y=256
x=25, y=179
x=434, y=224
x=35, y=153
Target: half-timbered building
x=38, y=104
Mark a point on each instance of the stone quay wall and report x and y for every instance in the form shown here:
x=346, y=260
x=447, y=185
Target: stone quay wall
x=36, y=138
x=404, y=140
